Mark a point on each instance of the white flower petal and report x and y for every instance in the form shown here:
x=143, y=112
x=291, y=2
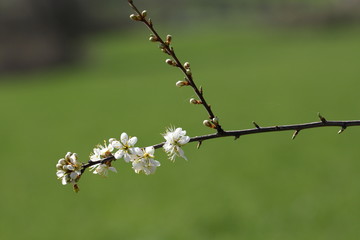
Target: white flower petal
x=60, y=174
x=119, y=154
x=124, y=138
x=150, y=150
x=64, y=181
x=116, y=144
x=184, y=140
x=132, y=141
x=181, y=153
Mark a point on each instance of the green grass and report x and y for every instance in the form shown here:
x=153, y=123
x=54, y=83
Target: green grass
x=258, y=187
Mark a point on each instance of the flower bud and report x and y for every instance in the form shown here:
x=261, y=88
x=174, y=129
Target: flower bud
x=153, y=38
x=194, y=101
x=135, y=17
x=144, y=13
x=208, y=123
x=182, y=83
x=187, y=65
x=171, y=62
x=188, y=72
x=215, y=120
x=168, y=39
x=62, y=161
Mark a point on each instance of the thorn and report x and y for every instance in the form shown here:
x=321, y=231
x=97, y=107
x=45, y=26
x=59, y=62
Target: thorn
x=199, y=144
x=256, y=125
x=295, y=134
x=342, y=129
x=236, y=137
x=322, y=118
x=201, y=90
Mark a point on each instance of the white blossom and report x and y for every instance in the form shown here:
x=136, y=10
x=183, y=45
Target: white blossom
x=69, y=169
x=145, y=161
x=175, y=139
x=102, y=169
x=101, y=152
x=125, y=146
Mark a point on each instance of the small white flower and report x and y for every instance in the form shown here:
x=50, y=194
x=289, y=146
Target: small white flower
x=101, y=152
x=125, y=146
x=69, y=169
x=145, y=161
x=175, y=139
x=102, y=169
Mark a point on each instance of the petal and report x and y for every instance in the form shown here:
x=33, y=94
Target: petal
x=60, y=174
x=124, y=138
x=184, y=140
x=182, y=154
x=127, y=157
x=74, y=175
x=150, y=150
x=132, y=141
x=64, y=181
x=116, y=144
x=113, y=169
x=110, y=148
x=119, y=154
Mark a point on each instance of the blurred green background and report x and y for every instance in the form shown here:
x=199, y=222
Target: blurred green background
x=277, y=71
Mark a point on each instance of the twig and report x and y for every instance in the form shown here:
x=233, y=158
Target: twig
x=185, y=68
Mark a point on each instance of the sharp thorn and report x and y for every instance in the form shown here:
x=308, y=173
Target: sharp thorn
x=342, y=129
x=256, y=125
x=199, y=144
x=237, y=137
x=322, y=119
x=295, y=134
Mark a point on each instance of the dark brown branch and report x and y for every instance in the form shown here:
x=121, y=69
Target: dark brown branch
x=237, y=133
x=170, y=51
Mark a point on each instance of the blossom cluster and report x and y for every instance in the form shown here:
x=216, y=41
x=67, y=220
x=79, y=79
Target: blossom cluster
x=69, y=170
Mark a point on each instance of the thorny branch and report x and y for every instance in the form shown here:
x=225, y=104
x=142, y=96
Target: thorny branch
x=166, y=47
x=237, y=133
